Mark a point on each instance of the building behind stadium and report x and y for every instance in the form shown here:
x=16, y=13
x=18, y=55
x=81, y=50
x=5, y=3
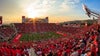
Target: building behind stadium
x=34, y=20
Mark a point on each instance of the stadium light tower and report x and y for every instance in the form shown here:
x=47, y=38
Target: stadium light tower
x=91, y=13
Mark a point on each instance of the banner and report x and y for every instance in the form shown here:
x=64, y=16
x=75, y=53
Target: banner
x=17, y=38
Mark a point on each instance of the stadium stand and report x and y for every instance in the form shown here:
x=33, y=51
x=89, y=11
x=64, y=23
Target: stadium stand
x=6, y=33
x=85, y=44
x=43, y=27
x=81, y=41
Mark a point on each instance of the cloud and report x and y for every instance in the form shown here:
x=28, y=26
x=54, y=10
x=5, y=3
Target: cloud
x=67, y=5
x=45, y=6
x=41, y=7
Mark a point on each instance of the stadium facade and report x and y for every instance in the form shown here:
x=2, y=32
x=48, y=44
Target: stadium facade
x=34, y=20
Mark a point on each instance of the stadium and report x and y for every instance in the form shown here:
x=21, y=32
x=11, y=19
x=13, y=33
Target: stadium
x=38, y=37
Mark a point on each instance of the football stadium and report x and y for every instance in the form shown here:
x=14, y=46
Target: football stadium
x=38, y=37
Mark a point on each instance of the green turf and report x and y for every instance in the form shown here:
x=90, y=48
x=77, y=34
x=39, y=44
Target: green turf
x=39, y=36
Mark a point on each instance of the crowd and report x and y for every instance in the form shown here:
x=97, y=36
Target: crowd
x=9, y=50
x=43, y=27
x=74, y=45
x=80, y=46
x=6, y=33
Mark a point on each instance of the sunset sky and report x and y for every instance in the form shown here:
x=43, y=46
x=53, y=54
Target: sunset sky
x=56, y=10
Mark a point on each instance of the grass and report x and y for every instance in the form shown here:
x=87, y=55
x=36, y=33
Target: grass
x=39, y=36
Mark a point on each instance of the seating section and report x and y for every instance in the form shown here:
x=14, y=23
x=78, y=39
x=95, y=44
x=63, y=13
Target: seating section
x=74, y=45
x=37, y=27
x=24, y=28
x=6, y=32
x=43, y=27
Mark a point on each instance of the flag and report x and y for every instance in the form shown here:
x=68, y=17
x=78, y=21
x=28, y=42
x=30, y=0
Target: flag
x=88, y=12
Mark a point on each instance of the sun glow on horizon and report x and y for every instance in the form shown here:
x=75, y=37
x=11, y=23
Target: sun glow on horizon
x=31, y=12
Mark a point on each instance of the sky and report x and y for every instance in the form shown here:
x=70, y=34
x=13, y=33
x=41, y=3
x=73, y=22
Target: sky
x=56, y=10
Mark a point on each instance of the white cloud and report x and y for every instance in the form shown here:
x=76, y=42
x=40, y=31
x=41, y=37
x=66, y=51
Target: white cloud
x=39, y=6
x=67, y=5
x=44, y=6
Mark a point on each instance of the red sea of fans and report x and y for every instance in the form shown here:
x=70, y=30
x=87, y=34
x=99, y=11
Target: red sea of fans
x=82, y=42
